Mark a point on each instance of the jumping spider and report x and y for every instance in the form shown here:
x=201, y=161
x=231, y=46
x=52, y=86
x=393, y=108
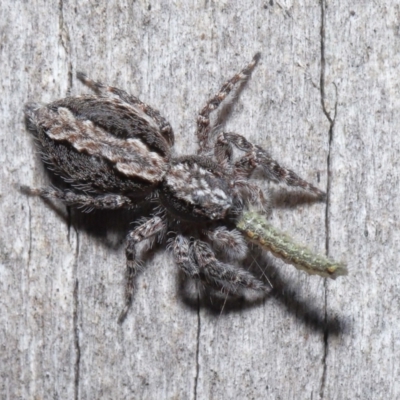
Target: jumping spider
x=115, y=151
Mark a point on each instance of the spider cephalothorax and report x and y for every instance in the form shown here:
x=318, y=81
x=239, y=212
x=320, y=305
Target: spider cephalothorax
x=114, y=151
x=196, y=188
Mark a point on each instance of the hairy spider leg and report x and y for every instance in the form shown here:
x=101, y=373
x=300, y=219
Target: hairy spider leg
x=203, y=119
x=256, y=156
x=111, y=91
x=144, y=231
x=181, y=251
x=222, y=276
x=230, y=242
x=85, y=201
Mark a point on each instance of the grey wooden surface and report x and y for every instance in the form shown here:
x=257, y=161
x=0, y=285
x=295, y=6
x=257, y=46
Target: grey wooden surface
x=325, y=101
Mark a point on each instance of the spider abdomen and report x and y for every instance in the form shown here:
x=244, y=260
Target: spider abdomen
x=125, y=154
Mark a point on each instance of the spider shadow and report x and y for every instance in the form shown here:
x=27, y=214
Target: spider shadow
x=110, y=228
x=283, y=199
x=225, y=109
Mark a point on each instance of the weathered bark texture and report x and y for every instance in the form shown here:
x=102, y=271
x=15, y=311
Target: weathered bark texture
x=325, y=101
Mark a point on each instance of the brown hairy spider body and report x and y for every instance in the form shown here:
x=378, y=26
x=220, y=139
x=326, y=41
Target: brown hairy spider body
x=114, y=151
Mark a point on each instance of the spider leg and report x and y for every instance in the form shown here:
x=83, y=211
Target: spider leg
x=203, y=119
x=257, y=157
x=230, y=242
x=70, y=198
x=220, y=275
x=111, y=91
x=223, y=153
x=181, y=250
x=144, y=231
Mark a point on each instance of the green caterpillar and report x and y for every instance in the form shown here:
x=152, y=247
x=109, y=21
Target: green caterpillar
x=257, y=230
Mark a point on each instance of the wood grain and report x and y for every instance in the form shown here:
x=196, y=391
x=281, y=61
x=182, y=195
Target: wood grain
x=324, y=101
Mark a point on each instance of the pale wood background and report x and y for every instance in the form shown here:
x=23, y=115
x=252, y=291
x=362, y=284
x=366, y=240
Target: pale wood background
x=61, y=274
